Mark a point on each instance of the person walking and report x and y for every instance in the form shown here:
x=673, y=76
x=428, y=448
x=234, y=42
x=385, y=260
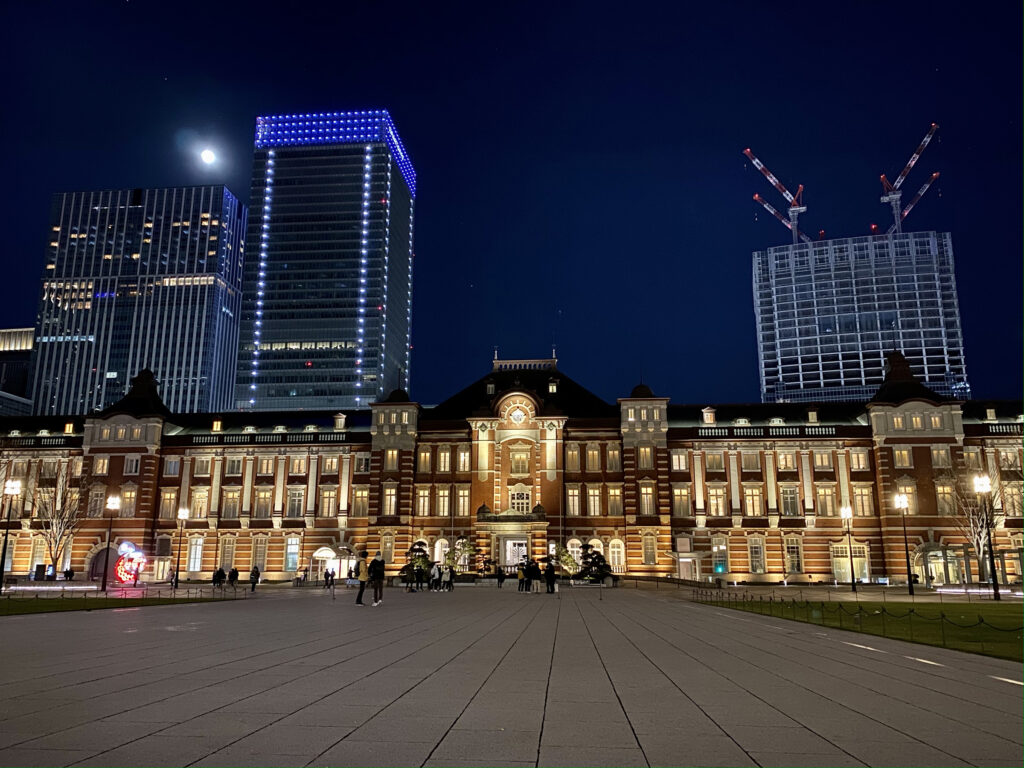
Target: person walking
x=233, y=578
x=501, y=576
x=549, y=577
x=219, y=578
x=362, y=574
x=376, y=574
x=254, y=577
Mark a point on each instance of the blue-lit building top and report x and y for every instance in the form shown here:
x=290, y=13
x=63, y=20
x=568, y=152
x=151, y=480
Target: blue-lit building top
x=328, y=287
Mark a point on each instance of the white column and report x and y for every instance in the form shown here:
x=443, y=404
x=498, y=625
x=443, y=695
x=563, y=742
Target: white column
x=186, y=477
x=311, y=476
x=698, y=480
x=842, y=471
x=280, y=476
x=248, y=463
x=734, y=481
x=215, y=463
x=343, y=483
x=807, y=478
x=769, y=480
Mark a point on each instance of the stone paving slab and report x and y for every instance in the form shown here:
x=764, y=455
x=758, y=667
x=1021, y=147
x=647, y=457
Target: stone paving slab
x=484, y=677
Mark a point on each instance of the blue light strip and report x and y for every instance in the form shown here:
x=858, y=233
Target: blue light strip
x=268, y=195
x=336, y=128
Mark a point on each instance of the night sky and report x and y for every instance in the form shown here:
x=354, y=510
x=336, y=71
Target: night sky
x=580, y=176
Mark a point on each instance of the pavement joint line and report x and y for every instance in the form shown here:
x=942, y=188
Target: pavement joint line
x=776, y=674
x=865, y=647
x=1006, y=680
x=547, y=682
x=924, y=661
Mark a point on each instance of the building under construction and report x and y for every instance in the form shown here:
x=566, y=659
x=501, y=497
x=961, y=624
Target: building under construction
x=828, y=311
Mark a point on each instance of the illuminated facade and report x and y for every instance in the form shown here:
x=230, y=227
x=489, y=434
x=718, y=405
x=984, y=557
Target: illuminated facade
x=523, y=459
x=134, y=279
x=828, y=312
x=328, y=285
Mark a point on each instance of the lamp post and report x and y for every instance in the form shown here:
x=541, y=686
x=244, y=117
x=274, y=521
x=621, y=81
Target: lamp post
x=902, y=503
x=113, y=505
x=12, y=488
x=182, y=517
x=847, y=514
x=983, y=487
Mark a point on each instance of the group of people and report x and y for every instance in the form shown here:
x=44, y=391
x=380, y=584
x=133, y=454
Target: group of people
x=529, y=573
x=231, y=577
x=329, y=578
x=372, y=572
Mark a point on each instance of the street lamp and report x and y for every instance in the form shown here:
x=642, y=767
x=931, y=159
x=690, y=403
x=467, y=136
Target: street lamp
x=113, y=505
x=846, y=513
x=902, y=503
x=983, y=487
x=183, y=515
x=12, y=488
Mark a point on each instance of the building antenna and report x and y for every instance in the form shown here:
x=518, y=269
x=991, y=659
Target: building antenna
x=495, y=351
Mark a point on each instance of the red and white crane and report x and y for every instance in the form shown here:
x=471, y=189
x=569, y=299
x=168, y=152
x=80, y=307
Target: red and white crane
x=892, y=193
x=796, y=206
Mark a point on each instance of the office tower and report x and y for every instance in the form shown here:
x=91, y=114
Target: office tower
x=328, y=285
x=827, y=313
x=134, y=279
x=15, y=365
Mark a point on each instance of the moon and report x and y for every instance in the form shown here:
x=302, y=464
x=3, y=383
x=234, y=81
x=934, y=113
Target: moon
x=207, y=156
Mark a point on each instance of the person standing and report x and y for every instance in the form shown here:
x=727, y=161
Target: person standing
x=254, y=577
x=521, y=576
x=549, y=577
x=419, y=578
x=435, y=578
x=528, y=577
x=376, y=574
x=233, y=578
x=501, y=576
x=362, y=574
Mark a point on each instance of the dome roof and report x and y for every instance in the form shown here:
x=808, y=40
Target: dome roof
x=641, y=390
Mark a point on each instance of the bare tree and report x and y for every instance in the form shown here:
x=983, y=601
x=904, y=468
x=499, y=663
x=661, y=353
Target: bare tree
x=61, y=506
x=971, y=517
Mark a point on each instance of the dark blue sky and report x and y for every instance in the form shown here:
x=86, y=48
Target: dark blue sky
x=580, y=176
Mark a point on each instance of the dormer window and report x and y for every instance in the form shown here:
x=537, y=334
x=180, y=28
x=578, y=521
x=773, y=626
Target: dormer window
x=990, y=414
x=280, y=428
x=812, y=416
x=248, y=429
x=217, y=424
x=709, y=415
x=741, y=423
x=69, y=428
x=405, y=417
x=15, y=433
x=44, y=433
x=631, y=414
x=490, y=387
x=776, y=422
x=339, y=421
x=311, y=428
x=552, y=387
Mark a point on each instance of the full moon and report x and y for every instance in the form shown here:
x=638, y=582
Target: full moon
x=207, y=156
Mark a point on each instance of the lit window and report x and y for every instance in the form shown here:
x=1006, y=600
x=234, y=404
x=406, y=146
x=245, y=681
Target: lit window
x=752, y=502
x=859, y=460
x=1009, y=458
x=572, y=496
x=794, y=555
x=362, y=462
x=714, y=462
x=944, y=501
x=100, y=465
x=444, y=459
x=645, y=457
x=443, y=506
x=423, y=460
x=650, y=549
x=131, y=465
x=681, y=501
x=678, y=461
x=360, y=502
x=128, y=499
x=897, y=422
x=826, y=501
x=940, y=457
x=647, y=500
x=463, y=458
x=593, y=458
x=390, y=502
x=422, y=502
x=614, y=501
x=716, y=500
x=296, y=497
x=902, y=458
x=202, y=467
x=787, y=460
x=462, y=499
x=614, y=459
x=520, y=462
x=168, y=504
x=594, y=501
x=972, y=458
x=291, y=553
x=755, y=552
x=575, y=547
x=233, y=466
x=863, y=504
x=572, y=458
x=519, y=501
x=936, y=420
x=265, y=466
x=391, y=460
x=823, y=459
x=195, y=554
x=916, y=421
x=297, y=465
x=200, y=503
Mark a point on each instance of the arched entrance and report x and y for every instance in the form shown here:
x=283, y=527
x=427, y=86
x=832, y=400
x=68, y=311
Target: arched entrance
x=330, y=559
x=96, y=565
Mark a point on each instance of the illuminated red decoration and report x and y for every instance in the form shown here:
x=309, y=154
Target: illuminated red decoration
x=130, y=564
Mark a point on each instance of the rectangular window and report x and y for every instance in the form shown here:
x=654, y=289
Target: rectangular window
x=463, y=458
x=647, y=500
x=940, y=457
x=195, y=554
x=753, y=506
x=790, y=498
x=443, y=502
x=631, y=414
x=296, y=497
x=136, y=433
x=291, y=553
x=794, y=556
x=902, y=458
x=593, y=458
x=719, y=554
x=786, y=460
x=360, y=502
x=910, y=491
x=263, y=502
x=297, y=465
x=714, y=462
x=200, y=503
x=422, y=502
x=681, y=502
x=128, y=499
x=614, y=501
x=897, y=422
x=462, y=507
x=233, y=467
x=823, y=459
x=519, y=502
x=972, y=458
x=859, y=460
x=678, y=461
x=916, y=422
x=328, y=502
x=1011, y=500
x=944, y=502
x=572, y=458
x=227, y=552
x=391, y=460
x=444, y=460
x=594, y=501
x=645, y=457
x=1009, y=458
x=168, y=504
x=259, y=552
x=826, y=501
x=755, y=551
x=131, y=465
x=202, y=467
x=650, y=549
x=936, y=420
x=265, y=465
x=572, y=496
x=520, y=462
x=329, y=466
x=614, y=457
x=362, y=462
x=863, y=504
x=751, y=462
x=716, y=500
x=229, y=505
x=423, y=460
x=390, y=502
x=100, y=465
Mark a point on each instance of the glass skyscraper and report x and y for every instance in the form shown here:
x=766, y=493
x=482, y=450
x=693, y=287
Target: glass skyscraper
x=328, y=282
x=828, y=312
x=134, y=279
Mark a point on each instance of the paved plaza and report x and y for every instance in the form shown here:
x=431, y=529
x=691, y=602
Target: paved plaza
x=488, y=677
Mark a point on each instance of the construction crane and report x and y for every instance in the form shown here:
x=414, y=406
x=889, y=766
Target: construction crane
x=796, y=206
x=892, y=193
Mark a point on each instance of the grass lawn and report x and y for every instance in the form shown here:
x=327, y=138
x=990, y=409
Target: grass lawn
x=994, y=629
x=87, y=602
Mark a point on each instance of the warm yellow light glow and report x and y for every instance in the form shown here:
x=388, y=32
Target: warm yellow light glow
x=982, y=484
x=113, y=503
x=846, y=512
x=183, y=513
x=12, y=488
x=901, y=501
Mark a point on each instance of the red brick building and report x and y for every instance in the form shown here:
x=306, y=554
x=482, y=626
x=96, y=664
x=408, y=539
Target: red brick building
x=523, y=459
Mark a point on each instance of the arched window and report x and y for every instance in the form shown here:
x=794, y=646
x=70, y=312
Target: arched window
x=650, y=546
x=575, y=547
x=597, y=545
x=616, y=554
x=387, y=547
x=441, y=548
